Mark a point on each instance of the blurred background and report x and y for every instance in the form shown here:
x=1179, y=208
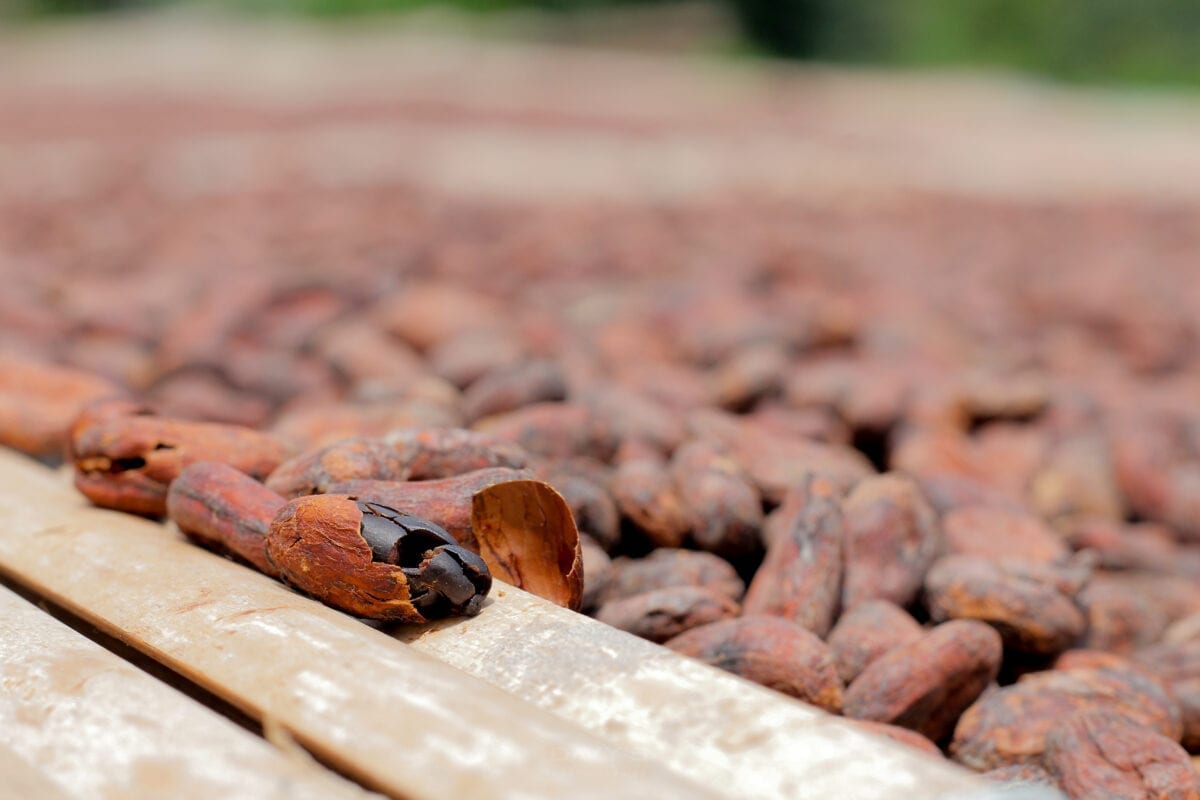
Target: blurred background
x=1147, y=42
x=207, y=201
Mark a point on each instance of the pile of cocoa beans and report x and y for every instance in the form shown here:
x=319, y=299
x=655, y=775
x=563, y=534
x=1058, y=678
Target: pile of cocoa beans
x=929, y=463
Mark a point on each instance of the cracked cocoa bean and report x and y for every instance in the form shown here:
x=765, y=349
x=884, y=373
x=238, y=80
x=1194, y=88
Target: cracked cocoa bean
x=373, y=561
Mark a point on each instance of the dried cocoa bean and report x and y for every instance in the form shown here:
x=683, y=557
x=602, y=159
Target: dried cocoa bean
x=1179, y=666
x=1031, y=613
x=512, y=387
x=724, y=509
x=645, y=494
x=128, y=460
x=801, y=577
x=226, y=510
x=554, y=430
x=662, y=614
x=672, y=567
x=997, y=533
x=892, y=538
x=768, y=650
x=1099, y=754
x=374, y=561
x=926, y=684
x=1009, y=725
x=776, y=464
x=39, y=401
x=866, y=632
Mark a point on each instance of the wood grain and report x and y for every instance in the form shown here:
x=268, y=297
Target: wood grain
x=387, y=715
x=96, y=726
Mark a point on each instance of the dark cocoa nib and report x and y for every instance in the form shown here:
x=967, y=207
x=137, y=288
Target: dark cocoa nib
x=443, y=577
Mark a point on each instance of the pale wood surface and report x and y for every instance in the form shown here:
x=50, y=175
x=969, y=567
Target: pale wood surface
x=726, y=732
x=22, y=781
x=99, y=727
x=230, y=628
x=383, y=713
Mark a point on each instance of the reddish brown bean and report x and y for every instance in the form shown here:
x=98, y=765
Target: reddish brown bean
x=554, y=430
x=512, y=387
x=672, y=567
x=724, y=509
x=645, y=494
x=771, y=651
x=997, y=533
x=892, y=538
x=801, y=577
x=774, y=463
x=1031, y=613
x=662, y=614
x=39, y=401
x=1009, y=725
x=1179, y=666
x=866, y=632
x=1099, y=754
x=226, y=510
x=128, y=460
x=926, y=684
x=405, y=455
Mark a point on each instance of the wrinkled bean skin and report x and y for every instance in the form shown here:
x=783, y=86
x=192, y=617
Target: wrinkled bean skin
x=669, y=567
x=774, y=652
x=554, y=430
x=1009, y=725
x=867, y=632
x=724, y=509
x=662, y=614
x=892, y=538
x=127, y=461
x=925, y=685
x=1032, y=615
x=219, y=507
x=406, y=455
x=1178, y=665
x=1099, y=755
x=645, y=493
x=801, y=577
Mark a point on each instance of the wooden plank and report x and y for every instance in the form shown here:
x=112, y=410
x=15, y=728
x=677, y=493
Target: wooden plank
x=22, y=781
x=96, y=726
x=391, y=717
x=700, y=721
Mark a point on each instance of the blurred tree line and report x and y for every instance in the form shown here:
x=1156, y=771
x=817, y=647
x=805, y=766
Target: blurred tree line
x=1144, y=41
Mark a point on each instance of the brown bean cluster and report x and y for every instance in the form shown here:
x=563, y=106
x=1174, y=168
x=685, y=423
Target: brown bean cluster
x=933, y=465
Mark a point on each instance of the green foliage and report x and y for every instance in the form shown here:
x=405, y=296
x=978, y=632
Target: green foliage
x=1145, y=41
x=1096, y=40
